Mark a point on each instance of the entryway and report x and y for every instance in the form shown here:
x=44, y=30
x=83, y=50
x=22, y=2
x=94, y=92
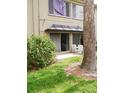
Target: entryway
x=64, y=42
x=61, y=41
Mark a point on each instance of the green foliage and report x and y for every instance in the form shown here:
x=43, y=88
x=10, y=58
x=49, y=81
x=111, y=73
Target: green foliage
x=40, y=52
x=53, y=79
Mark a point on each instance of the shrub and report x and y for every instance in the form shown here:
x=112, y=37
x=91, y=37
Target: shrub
x=40, y=52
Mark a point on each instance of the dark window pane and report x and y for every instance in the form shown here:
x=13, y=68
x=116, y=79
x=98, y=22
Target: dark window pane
x=67, y=9
x=51, y=6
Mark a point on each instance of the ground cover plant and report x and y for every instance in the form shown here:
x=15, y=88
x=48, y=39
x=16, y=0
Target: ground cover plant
x=53, y=79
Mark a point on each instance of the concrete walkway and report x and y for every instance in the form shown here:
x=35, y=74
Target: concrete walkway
x=63, y=56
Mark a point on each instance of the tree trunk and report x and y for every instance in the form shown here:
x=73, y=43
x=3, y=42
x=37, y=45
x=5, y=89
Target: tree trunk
x=89, y=37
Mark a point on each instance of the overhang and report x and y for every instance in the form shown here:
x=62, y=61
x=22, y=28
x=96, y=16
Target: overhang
x=59, y=27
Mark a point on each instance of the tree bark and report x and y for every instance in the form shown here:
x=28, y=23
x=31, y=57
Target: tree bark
x=89, y=37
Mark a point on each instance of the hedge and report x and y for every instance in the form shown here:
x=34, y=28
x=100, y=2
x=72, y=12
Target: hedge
x=40, y=52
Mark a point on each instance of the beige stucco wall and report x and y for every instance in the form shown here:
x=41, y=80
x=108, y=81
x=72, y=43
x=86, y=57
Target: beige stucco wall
x=39, y=18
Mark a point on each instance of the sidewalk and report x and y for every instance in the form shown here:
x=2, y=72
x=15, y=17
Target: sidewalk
x=63, y=56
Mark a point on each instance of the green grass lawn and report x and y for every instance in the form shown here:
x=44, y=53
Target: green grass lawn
x=53, y=79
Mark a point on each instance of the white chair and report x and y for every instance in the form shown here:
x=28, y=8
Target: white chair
x=80, y=49
x=73, y=48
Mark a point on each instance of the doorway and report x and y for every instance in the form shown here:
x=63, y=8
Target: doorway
x=56, y=39
x=64, y=42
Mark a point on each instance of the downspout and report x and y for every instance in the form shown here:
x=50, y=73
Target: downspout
x=38, y=18
x=33, y=16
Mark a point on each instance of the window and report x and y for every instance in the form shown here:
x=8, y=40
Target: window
x=59, y=7
x=67, y=9
x=76, y=39
x=77, y=11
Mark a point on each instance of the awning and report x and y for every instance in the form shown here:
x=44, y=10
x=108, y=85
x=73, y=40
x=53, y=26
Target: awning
x=64, y=28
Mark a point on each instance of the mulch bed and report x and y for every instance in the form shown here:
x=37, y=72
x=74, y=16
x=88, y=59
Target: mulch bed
x=74, y=69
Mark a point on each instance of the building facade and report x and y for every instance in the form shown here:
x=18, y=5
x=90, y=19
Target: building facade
x=61, y=20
